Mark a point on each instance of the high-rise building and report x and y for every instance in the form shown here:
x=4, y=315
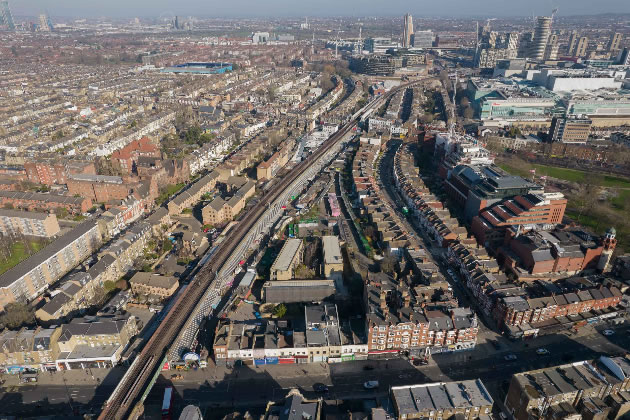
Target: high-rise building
x=6, y=18
x=407, y=31
x=541, y=37
x=551, y=52
x=525, y=45
x=582, y=46
x=176, y=23
x=573, y=40
x=45, y=25
x=614, y=46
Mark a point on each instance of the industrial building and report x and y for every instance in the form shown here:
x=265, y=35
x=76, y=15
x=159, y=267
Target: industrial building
x=199, y=68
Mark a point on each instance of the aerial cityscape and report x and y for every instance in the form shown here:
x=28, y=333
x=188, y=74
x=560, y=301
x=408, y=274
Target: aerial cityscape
x=268, y=210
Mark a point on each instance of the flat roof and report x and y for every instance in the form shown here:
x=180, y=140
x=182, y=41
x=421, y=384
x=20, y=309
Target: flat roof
x=332, y=250
x=287, y=253
x=28, y=265
x=23, y=214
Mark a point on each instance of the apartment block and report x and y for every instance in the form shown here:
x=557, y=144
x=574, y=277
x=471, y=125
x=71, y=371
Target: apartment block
x=527, y=212
x=40, y=202
x=98, y=188
x=150, y=284
x=288, y=259
x=14, y=222
x=220, y=211
x=190, y=196
x=31, y=277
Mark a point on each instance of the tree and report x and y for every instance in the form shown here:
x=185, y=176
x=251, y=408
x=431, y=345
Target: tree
x=167, y=245
x=389, y=265
x=464, y=102
x=17, y=315
x=122, y=284
x=279, y=310
x=61, y=212
x=58, y=135
x=109, y=286
x=468, y=112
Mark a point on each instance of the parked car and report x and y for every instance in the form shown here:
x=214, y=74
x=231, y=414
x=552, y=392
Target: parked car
x=608, y=332
x=542, y=351
x=320, y=388
x=510, y=357
x=370, y=384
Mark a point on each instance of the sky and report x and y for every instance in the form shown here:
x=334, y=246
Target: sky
x=285, y=8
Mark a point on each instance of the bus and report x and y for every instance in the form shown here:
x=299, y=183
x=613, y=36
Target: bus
x=167, y=404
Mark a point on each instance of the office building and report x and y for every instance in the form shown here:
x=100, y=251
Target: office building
x=443, y=400
x=541, y=38
x=570, y=129
x=6, y=18
x=581, y=47
x=31, y=277
x=623, y=58
x=407, y=31
x=14, y=222
x=423, y=39
x=288, y=259
x=558, y=80
x=543, y=393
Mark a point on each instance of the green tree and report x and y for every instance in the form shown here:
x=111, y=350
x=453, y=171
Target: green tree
x=17, y=315
x=109, y=286
x=468, y=112
x=167, y=245
x=280, y=310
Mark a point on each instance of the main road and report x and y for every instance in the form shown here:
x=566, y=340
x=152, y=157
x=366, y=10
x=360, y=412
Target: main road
x=147, y=364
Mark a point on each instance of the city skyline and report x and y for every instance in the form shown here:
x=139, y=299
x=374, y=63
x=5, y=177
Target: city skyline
x=323, y=8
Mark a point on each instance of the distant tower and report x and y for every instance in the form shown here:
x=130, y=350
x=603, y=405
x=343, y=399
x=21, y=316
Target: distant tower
x=551, y=52
x=614, y=46
x=45, y=25
x=407, y=31
x=609, y=244
x=582, y=47
x=6, y=18
x=541, y=37
x=573, y=40
x=176, y=23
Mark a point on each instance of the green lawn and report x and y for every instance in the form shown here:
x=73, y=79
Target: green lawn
x=569, y=175
x=18, y=254
x=171, y=189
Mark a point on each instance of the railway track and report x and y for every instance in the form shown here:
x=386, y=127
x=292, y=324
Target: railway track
x=126, y=394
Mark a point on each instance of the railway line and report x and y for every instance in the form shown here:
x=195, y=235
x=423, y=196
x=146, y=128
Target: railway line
x=147, y=364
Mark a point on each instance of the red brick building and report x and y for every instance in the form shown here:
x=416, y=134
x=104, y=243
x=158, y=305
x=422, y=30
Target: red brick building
x=37, y=201
x=51, y=172
x=128, y=156
x=99, y=188
x=527, y=211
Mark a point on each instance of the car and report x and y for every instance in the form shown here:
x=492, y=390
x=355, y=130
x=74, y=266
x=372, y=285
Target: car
x=368, y=367
x=510, y=357
x=320, y=388
x=370, y=385
x=608, y=332
x=541, y=351
x=420, y=362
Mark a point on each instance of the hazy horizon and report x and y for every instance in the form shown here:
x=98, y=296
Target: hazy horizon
x=321, y=8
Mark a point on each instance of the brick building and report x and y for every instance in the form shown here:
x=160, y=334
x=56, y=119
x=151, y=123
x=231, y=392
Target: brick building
x=153, y=284
x=128, y=156
x=527, y=211
x=38, y=201
x=51, y=172
x=99, y=188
